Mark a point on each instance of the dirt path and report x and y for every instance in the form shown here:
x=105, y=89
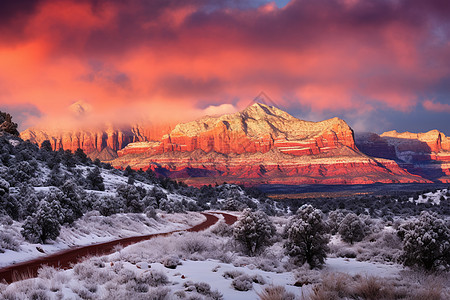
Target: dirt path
x=66, y=258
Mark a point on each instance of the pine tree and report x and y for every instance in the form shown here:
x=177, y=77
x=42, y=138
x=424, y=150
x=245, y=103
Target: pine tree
x=307, y=237
x=254, y=231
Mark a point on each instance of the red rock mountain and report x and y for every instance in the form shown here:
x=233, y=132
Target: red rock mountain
x=262, y=144
x=425, y=154
x=102, y=142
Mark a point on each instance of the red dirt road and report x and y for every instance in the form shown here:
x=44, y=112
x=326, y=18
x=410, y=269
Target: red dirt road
x=66, y=258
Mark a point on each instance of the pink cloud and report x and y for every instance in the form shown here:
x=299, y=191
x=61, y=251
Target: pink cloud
x=436, y=106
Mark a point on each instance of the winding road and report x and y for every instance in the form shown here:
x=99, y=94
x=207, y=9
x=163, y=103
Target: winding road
x=66, y=258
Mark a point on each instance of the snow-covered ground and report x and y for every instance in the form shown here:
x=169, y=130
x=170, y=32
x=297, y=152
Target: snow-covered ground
x=94, y=228
x=432, y=197
x=353, y=267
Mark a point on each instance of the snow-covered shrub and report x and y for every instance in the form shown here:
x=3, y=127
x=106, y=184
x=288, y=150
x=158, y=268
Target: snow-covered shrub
x=193, y=244
x=253, y=231
x=334, y=219
x=346, y=252
x=305, y=276
x=4, y=187
x=171, y=206
x=93, y=272
x=352, y=229
x=258, y=279
x=8, y=242
x=124, y=275
x=6, y=220
x=153, y=278
x=426, y=242
x=384, y=246
x=232, y=274
x=46, y=272
x=84, y=293
x=150, y=212
x=39, y=295
x=202, y=288
x=171, y=262
x=108, y=205
x=242, y=283
x=307, y=237
x=275, y=292
x=222, y=229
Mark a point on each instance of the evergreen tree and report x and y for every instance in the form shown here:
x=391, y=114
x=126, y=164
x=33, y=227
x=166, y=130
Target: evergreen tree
x=70, y=201
x=426, y=242
x=352, y=229
x=130, y=197
x=55, y=178
x=46, y=146
x=80, y=156
x=95, y=180
x=44, y=224
x=109, y=205
x=254, y=231
x=307, y=237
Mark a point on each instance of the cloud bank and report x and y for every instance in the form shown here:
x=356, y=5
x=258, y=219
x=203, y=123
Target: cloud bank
x=168, y=59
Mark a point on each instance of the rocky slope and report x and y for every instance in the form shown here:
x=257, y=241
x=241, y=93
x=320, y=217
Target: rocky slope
x=262, y=144
x=425, y=154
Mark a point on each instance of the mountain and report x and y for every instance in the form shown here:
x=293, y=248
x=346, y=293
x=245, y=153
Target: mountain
x=262, y=144
x=425, y=154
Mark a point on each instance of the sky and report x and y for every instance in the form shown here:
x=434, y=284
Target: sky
x=379, y=65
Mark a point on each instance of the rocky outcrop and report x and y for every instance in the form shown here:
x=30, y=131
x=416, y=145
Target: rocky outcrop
x=7, y=125
x=424, y=154
x=262, y=144
x=419, y=146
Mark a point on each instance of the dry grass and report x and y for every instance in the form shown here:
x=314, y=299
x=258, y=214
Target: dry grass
x=431, y=290
x=275, y=292
x=343, y=286
x=23, y=275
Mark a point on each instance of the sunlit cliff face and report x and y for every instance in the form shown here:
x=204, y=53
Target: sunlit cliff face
x=178, y=60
